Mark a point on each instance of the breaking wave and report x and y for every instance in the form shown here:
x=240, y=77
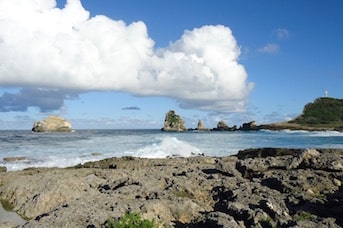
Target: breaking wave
x=168, y=147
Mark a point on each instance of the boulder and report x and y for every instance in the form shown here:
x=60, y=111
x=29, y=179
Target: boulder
x=173, y=122
x=52, y=124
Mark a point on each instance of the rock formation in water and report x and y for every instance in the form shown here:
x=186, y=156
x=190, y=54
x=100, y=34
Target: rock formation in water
x=265, y=187
x=52, y=124
x=201, y=126
x=173, y=122
x=222, y=126
x=249, y=126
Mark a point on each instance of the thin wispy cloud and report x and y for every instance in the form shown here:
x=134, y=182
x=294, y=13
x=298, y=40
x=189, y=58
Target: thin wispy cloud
x=131, y=108
x=271, y=49
x=282, y=34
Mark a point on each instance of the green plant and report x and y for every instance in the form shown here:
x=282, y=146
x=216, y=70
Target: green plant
x=130, y=220
x=303, y=216
x=320, y=196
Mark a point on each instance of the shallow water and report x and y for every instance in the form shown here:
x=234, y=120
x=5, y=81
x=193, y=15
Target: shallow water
x=10, y=217
x=28, y=149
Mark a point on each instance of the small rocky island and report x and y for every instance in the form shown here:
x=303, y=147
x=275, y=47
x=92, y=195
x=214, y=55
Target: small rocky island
x=52, y=124
x=266, y=187
x=173, y=122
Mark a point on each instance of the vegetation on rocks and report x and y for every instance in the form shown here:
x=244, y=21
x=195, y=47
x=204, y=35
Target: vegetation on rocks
x=323, y=112
x=173, y=122
x=130, y=220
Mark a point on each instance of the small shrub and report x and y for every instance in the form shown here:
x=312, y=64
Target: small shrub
x=130, y=220
x=303, y=216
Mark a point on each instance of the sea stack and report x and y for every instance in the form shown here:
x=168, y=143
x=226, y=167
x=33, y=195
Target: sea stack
x=201, y=126
x=52, y=124
x=173, y=122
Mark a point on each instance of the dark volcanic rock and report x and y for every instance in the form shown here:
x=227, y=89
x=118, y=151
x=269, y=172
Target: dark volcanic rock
x=249, y=126
x=222, y=126
x=264, y=187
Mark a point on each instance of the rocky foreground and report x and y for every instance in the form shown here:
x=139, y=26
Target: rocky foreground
x=256, y=188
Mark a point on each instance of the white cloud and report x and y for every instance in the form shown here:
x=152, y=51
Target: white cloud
x=270, y=49
x=282, y=34
x=44, y=46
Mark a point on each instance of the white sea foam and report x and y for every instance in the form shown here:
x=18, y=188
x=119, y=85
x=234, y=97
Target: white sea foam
x=167, y=147
x=63, y=150
x=294, y=131
x=51, y=161
x=326, y=134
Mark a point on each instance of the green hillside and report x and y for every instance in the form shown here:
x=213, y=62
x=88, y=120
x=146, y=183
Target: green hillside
x=323, y=112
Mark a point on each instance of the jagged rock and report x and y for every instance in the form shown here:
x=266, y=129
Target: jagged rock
x=215, y=219
x=304, y=156
x=52, y=124
x=173, y=122
x=249, y=126
x=259, y=188
x=3, y=169
x=222, y=126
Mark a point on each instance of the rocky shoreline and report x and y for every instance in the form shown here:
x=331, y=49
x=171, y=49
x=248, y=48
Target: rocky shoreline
x=265, y=187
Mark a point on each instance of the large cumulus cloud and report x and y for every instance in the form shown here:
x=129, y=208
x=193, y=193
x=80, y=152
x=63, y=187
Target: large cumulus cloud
x=66, y=49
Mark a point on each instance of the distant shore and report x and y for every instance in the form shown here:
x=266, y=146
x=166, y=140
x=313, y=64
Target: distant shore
x=256, y=187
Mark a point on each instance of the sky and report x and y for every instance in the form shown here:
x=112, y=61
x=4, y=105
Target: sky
x=114, y=64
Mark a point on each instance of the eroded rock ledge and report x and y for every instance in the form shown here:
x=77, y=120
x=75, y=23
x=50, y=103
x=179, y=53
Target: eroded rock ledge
x=256, y=188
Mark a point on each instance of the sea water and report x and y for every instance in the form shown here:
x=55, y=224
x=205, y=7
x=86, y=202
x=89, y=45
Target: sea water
x=28, y=149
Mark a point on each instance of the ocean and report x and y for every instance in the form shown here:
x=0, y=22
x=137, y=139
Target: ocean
x=23, y=149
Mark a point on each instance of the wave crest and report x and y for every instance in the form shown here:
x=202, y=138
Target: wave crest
x=168, y=147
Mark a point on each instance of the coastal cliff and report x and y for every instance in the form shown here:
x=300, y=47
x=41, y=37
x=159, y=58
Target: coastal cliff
x=265, y=187
x=323, y=114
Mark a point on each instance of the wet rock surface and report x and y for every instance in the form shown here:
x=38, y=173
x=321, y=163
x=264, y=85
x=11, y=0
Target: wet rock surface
x=265, y=187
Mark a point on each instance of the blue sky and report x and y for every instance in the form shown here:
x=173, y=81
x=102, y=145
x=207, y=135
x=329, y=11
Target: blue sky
x=124, y=64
